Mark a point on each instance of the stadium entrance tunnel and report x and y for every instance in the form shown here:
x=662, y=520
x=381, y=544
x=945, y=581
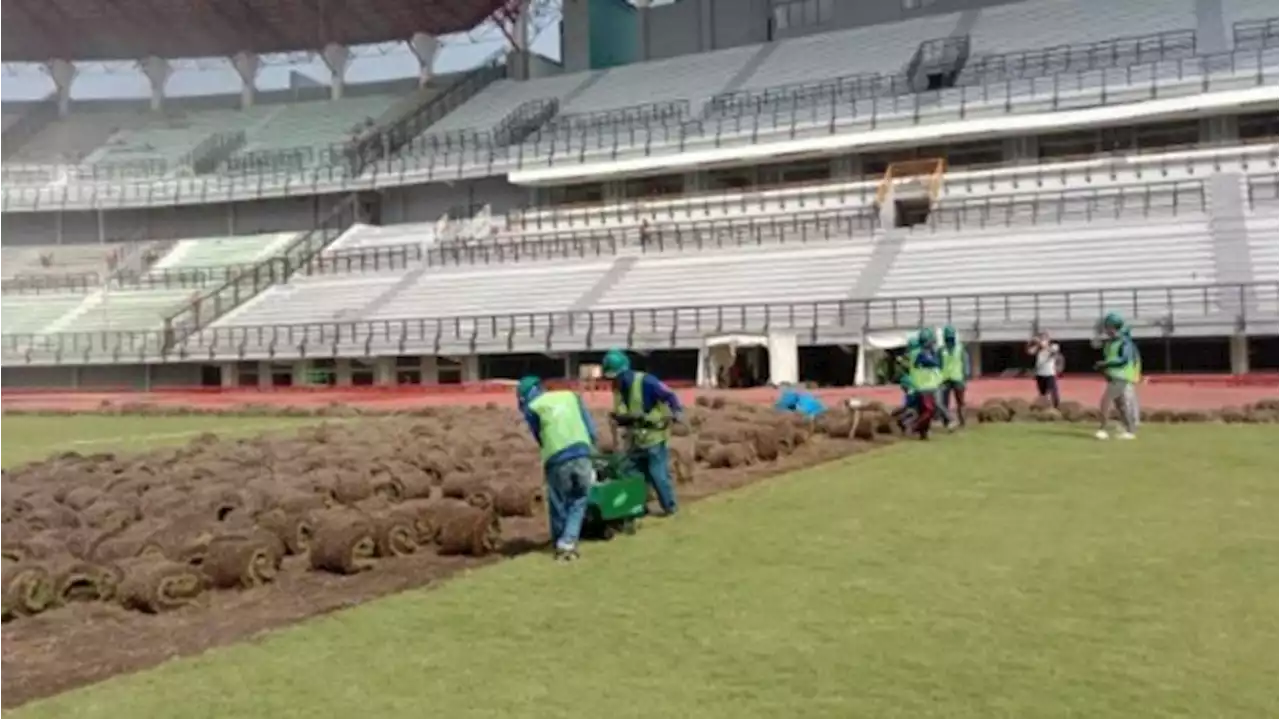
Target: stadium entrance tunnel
x=748, y=360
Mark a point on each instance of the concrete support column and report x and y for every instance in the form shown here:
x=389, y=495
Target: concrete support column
x=247, y=65
x=158, y=70
x=425, y=47
x=430, y=370
x=230, y=374
x=300, y=373
x=1239, y=354
x=337, y=58
x=642, y=27
x=975, y=358
x=64, y=76
x=1219, y=130
x=264, y=375
x=342, y=372
x=384, y=371
x=471, y=368
x=695, y=182
x=846, y=167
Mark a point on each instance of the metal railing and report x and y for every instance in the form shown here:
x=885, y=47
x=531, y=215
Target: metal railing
x=428, y=159
x=1168, y=309
x=1116, y=52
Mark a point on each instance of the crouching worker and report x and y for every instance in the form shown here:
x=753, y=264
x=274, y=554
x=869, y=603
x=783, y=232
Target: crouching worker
x=645, y=407
x=566, y=435
x=916, y=413
x=799, y=401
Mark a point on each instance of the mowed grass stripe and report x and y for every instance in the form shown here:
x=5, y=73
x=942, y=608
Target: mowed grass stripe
x=33, y=437
x=1019, y=571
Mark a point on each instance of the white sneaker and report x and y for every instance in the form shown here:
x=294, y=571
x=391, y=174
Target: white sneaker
x=1127, y=435
x=1101, y=434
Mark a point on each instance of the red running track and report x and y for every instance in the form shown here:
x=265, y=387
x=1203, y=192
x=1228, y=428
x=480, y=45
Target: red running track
x=1166, y=393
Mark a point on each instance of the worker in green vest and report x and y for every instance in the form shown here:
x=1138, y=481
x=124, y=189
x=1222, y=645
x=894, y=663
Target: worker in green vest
x=566, y=435
x=645, y=407
x=1120, y=365
x=955, y=373
x=926, y=371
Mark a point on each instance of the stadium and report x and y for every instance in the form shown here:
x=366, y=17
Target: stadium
x=259, y=350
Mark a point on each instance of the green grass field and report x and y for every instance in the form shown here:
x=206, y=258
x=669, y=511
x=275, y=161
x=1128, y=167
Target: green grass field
x=1018, y=571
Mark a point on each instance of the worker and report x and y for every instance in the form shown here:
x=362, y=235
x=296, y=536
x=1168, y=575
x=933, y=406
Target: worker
x=926, y=372
x=917, y=410
x=955, y=373
x=647, y=407
x=564, y=431
x=800, y=401
x=1121, y=366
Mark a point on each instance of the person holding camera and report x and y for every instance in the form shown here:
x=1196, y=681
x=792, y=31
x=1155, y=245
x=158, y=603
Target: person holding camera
x=1048, y=363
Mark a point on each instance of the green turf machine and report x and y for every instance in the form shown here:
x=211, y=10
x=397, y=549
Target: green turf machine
x=617, y=499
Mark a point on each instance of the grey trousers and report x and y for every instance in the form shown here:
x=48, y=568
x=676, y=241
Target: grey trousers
x=1124, y=398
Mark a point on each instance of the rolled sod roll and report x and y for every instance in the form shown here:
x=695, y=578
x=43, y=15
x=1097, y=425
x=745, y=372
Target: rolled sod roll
x=107, y=514
x=515, y=500
x=155, y=584
x=240, y=561
x=351, y=487
x=184, y=539
x=481, y=495
x=127, y=543
x=81, y=498
x=343, y=542
x=469, y=530
x=294, y=529
x=77, y=580
x=386, y=485
x=419, y=514
x=415, y=483
x=394, y=534
x=27, y=589
x=457, y=486
x=52, y=516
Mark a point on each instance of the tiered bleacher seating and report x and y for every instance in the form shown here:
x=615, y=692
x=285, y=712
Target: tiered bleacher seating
x=54, y=260
x=124, y=310
x=29, y=314
x=222, y=251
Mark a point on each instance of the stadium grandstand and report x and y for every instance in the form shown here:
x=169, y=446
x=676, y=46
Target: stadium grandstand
x=801, y=180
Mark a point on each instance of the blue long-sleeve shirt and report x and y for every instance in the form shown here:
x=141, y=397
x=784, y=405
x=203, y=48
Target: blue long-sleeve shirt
x=928, y=357
x=653, y=392
x=576, y=451
x=964, y=358
x=800, y=402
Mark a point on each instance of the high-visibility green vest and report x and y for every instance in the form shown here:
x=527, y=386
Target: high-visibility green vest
x=925, y=379
x=560, y=422
x=642, y=437
x=952, y=363
x=1125, y=373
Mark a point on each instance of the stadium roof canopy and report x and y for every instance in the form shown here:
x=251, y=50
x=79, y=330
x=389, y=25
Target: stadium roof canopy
x=40, y=30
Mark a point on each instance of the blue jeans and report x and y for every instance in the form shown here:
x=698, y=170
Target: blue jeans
x=567, y=487
x=653, y=464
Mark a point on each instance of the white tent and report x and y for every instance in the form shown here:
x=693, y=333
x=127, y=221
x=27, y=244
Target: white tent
x=719, y=352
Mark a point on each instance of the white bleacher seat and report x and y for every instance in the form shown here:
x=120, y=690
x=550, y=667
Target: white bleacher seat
x=1261, y=229
x=223, y=251
x=310, y=299
x=62, y=259
x=691, y=77
x=739, y=276
x=125, y=310
x=1040, y=24
x=882, y=49
x=24, y=314
x=479, y=291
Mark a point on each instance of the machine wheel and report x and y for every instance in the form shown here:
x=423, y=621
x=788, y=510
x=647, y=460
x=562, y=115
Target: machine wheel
x=607, y=532
x=629, y=527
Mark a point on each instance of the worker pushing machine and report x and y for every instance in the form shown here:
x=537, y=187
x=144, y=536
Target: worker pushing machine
x=955, y=373
x=1122, y=367
x=926, y=372
x=567, y=437
x=645, y=408
x=916, y=413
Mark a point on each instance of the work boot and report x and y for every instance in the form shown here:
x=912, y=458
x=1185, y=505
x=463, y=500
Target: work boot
x=566, y=554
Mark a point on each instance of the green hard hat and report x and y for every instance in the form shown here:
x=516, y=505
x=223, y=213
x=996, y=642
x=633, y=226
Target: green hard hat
x=528, y=386
x=1113, y=320
x=926, y=335
x=949, y=332
x=615, y=363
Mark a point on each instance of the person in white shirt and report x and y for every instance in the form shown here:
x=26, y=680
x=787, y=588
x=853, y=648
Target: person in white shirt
x=1048, y=359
